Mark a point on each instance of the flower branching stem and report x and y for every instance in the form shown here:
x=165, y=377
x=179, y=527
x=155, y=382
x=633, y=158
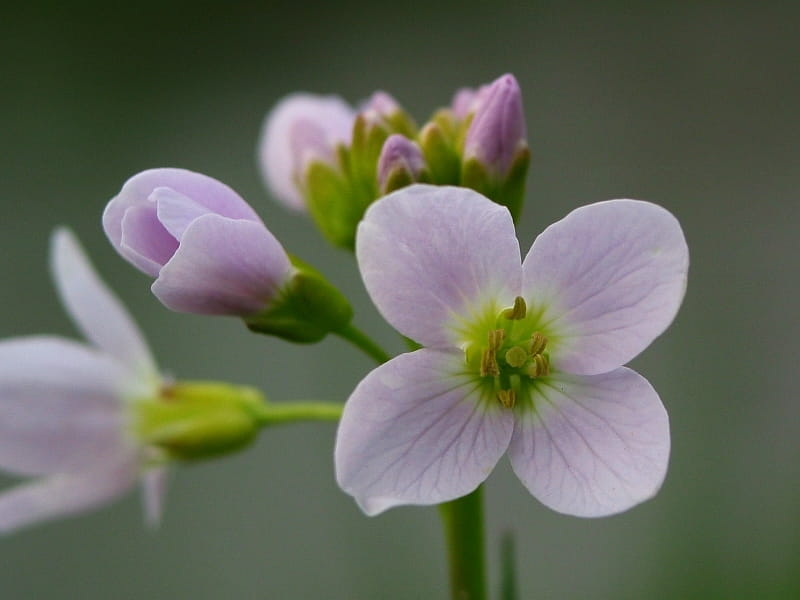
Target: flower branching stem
x=465, y=538
x=363, y=342
x=288, y=412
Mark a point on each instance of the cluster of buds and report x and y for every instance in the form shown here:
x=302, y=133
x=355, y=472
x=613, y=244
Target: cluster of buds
x=318, y=154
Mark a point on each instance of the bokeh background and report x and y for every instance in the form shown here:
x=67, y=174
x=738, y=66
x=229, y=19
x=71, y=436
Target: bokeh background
x=693, y=105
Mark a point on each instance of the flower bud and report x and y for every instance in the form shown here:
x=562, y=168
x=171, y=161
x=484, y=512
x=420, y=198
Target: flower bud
x=400, y=164
x=495, y=156
x=497, y=132
x=382, y=109
x=301, y=129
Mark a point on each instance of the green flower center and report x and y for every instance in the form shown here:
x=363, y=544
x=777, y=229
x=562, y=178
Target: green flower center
x=508, y=353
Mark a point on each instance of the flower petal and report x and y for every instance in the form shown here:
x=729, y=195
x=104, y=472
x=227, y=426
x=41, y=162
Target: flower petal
x=67, y=493
x=592, y=445
x=60, y=405
x=144, y=240
x=416, y=431
x=223, y=267
x=94, y=308
x=176, y=211
x=213, y=194
x=301, y=127
x=154, y=488
x=610, y=278
x=434, y=258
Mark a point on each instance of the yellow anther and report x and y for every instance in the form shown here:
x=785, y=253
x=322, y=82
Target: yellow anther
x=489, y=364
x=496, y=337
x=518, y=311
x=507, y=398
x=539, y=366
x=538, y=344
x=516, y=357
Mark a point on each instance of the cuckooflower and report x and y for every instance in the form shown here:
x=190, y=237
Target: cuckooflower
x=520, y=356
x=65, y=406
x=300, y=129
x=208, y=250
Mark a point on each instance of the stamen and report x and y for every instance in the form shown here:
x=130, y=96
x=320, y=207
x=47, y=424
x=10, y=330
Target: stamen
x=538, y=343
x=507, y=398
x=518, y=311
x=496, y=337
x=516, y=357
x=539, y=366
x=489, y=364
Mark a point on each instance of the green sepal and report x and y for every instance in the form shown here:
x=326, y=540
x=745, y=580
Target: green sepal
x=440, y=154
x=307, y=309
x=329, y=200
x=197, y=420
x=509, y=191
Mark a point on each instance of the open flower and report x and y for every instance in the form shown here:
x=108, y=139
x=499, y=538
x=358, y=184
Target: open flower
x=64, y=406
x=521, y=357
x=208, y=250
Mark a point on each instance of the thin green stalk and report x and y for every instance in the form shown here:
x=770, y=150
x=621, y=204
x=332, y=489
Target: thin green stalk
x=288, y=412
x=465, y=539
x=362, y=341
x=508, y=571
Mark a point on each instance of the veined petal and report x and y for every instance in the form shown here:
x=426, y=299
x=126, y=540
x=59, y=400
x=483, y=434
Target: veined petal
x=223, y=267
x=95, y=309
x=434, y=258
x=610, y=278
x=144, y=241
x=61, y=404
x=67, y=493
x=416, y=431
x=154, y=487
x=176, y=211
x=592, y=445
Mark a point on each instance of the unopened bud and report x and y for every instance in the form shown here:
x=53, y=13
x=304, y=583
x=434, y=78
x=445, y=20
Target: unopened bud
x=401, y=163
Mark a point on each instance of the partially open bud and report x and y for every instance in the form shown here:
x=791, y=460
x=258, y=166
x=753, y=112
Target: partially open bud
x=401, y=163
x=206, y=248
x=211, y=254
x=193, y=420
x=382, y=109
x=301, y=129
x=496, y=156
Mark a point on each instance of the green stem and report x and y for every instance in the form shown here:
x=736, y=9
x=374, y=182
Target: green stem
x=362, y=341
x=288, y=412
x=464, y=535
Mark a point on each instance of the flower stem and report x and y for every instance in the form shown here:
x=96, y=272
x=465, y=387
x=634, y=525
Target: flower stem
x=464, y=534
x=362, y=341
x=289, y=412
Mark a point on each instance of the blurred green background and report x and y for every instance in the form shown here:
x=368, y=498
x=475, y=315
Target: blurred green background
x=691, y=105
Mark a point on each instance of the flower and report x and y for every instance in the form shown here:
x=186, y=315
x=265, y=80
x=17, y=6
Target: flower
x=302, y=128
x=519, y=356
x=208, y=250
x=64, y=406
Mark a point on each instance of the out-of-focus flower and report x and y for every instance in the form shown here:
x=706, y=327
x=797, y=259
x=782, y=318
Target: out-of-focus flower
x=301, y=129
x=207, y=249
x=519, y=356
x=65, y=407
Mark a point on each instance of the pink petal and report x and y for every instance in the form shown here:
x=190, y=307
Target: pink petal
x=592, y=445
x=223, y=267
x=67, y=493
x=144, y=241
x=176, y=211
x=436, y=258
x=61, y=404
x=154, y=488
x=301, y=126
x=416, y=431
x=610, y=278
x=96, y=311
